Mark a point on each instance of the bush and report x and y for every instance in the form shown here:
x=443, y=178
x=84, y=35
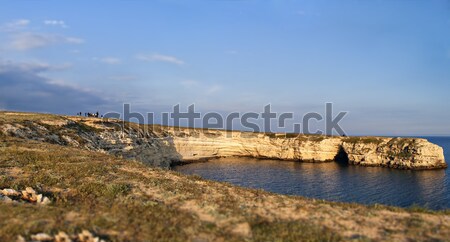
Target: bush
x=116, y=190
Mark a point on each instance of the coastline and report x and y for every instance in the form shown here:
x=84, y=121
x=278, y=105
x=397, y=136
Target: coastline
x=207, y=159
x=163, y=145
x=62, y=159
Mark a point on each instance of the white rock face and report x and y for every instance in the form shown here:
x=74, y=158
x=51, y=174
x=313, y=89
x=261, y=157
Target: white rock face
x=161, y=146
x=223, y=144
x=404, y=153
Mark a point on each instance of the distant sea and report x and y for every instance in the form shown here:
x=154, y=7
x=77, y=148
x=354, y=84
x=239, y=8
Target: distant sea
x=334, y=181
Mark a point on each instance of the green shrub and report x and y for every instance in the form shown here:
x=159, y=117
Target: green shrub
x=116, y=190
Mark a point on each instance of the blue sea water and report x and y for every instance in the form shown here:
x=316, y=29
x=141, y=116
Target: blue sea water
x=334, y=181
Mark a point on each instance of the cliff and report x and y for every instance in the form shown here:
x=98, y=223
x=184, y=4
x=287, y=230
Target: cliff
x=112, y=199
x=405, y=153
x=162, y=146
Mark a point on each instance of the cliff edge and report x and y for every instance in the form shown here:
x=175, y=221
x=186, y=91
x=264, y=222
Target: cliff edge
x=162, y=146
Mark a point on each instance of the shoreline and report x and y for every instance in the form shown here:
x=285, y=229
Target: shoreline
x=209, y=173
x=207, y=159
x=162, y=145
x=99, y=181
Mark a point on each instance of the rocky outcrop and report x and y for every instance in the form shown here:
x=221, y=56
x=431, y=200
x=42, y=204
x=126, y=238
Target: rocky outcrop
x=111, y=137
x=404, y=153
x=84, y=236
x=28, y=195
x=162, y=146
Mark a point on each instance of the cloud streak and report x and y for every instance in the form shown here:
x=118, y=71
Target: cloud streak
x=160, y=58
x=21, y=38
x=15, y=25
x=28, y=40
x=34, y=66
x=58, y=23
x=108, y=60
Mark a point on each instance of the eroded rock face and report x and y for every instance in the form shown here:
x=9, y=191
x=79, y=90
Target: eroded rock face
x=404, y=153
x=209, y=144
x=92, y=134
x=162, y=146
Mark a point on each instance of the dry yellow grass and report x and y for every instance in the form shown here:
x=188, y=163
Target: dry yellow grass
x=124, y=200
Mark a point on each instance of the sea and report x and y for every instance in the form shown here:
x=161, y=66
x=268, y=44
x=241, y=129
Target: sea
x=335, y=181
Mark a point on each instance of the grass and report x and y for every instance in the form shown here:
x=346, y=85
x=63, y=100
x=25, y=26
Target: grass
x=87, y=183
x=301, y=137
x=124, y=200
x=103, y=198
x=16, y=117
x=291, y=231
x=81, y=127
x=363, y=140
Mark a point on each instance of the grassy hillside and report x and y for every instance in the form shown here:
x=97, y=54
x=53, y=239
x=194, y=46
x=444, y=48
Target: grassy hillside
x=124, y=200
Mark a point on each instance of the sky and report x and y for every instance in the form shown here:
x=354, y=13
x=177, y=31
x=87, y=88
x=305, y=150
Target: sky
x=385, y=62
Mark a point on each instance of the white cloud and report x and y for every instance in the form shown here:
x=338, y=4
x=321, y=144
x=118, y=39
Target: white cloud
x=160, y=58
x=21, y=22
x=15, y=25
x=63, y=83
x=25, y=41
x=29, y=40
x=59, y=23
x=213, y=89
x=108, y=60
x=32, y=66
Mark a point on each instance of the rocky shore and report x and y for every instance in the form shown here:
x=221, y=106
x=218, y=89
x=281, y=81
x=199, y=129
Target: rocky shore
x=81, y=179
x=402, y=153
x=163, y=146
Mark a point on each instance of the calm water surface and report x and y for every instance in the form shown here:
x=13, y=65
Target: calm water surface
x=334, y=181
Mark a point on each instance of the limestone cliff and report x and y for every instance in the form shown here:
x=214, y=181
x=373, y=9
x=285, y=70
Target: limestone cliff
x=161, y=146
x=404, y=153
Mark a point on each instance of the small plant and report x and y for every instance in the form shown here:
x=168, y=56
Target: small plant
x=420, y=209
x=115, y=190
x=363, y=140
x=81, y=127
x=316, y=138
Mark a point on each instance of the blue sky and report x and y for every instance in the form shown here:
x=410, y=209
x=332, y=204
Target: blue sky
x=385, y=62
